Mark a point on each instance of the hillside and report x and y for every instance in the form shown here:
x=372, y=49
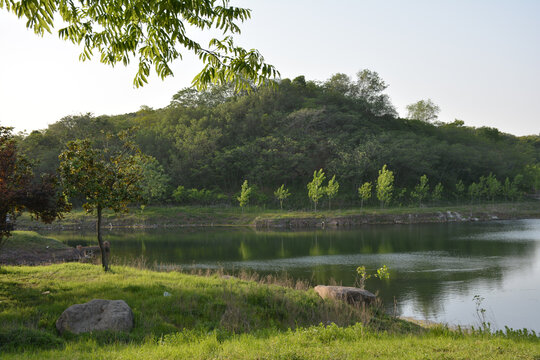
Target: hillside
x=215, y=139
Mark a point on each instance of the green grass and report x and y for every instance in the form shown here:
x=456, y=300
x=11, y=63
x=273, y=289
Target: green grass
x=221, y=215
x=30, y=240
x=216, y=318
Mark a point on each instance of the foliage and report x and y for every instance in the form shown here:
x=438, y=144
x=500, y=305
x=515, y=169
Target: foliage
x=385, y=186
x=281, y=194
x=107, y=178
x=243, y=199
x=460, y=190
x=152, y=33
x=532, y=176
x=20, y=191
x=331, y=189
x=364, y=192
x=437, y=192
x=421, y=190
x=475, y=189
x=155, y=183
x=362, y=275
x=315, y=188
x=423, y=110
x=216, y=138
x=493, y=187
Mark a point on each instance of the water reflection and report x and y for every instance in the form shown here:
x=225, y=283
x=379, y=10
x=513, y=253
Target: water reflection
x=435, y=269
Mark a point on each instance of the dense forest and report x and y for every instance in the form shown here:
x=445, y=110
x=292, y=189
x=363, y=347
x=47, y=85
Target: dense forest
x=215, y=139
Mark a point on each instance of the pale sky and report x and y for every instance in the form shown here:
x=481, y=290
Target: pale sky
x=479, y=60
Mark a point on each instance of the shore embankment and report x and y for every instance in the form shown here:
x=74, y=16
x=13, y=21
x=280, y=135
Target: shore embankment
x=186, y=216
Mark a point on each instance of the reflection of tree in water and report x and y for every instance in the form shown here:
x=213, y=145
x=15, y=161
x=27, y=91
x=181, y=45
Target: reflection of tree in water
x=427, y=262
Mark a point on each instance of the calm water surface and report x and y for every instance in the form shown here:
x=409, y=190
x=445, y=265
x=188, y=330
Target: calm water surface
x=436, y=269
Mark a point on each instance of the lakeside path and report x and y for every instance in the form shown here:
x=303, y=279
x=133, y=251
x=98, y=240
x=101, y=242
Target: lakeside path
x=178, y=216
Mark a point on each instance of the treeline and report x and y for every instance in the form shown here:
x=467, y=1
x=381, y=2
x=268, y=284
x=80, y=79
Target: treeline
x=205, y=144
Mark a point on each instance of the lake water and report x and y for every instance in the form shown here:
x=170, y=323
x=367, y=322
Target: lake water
x=436, y=269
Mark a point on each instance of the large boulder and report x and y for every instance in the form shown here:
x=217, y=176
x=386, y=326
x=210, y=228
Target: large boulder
x=96, y=315
x=351, y=295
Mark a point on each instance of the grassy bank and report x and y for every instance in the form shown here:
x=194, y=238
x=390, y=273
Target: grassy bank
x=31, y=248
x=213, y=318
x=157, y=216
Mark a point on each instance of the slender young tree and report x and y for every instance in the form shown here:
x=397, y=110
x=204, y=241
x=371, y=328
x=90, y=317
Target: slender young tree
x=385, y=186
x=315, y=188
x=332, y=189
x=107, y=178
x=364, y=192
x=245, y=191
x=436, y=195
x=421, y=190
x=281, y=194
x=460, y=190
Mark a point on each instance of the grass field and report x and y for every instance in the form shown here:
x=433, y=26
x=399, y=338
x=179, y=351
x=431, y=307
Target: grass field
x=211, y=317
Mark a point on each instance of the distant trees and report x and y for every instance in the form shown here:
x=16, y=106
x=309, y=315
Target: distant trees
x=210, y=141
x=385, y=186
x=20, y=191
x=332, y=189
x=243, y=198
x=423, y=110
x=315, y=187
x=364, y=192
x=281, y=194
x=437, y=192
x=107, y=178
x=421, y=190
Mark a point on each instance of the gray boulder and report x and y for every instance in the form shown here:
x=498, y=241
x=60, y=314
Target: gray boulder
x=96, y=315
x=351, y=295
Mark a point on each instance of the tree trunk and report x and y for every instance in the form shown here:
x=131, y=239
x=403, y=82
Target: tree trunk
x=104, y=249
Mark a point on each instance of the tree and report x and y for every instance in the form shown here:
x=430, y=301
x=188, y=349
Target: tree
x=369, y=86
x=421, y=190
x=460, y=190
x=474, y=191
x=155, y=183
x=493, y=187
x=364, y=192
x=152, y=33
x=385, y=186
x=20, y=191
x=107, y=178
x=437, y=192
x=332, y=189
x=243, y=199
x=423, y=110
x=281, y=194
x=315, y=188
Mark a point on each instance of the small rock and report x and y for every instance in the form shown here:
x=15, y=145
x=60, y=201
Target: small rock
x=96, y=315
x=351, y=295
x=46, y=292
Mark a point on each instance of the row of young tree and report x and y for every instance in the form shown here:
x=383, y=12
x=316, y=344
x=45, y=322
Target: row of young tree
x=487, y=188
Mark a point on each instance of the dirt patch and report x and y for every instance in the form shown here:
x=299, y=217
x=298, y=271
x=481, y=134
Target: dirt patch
x=46, y=256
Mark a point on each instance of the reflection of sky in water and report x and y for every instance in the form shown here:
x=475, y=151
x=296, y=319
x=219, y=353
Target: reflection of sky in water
x=436, y=269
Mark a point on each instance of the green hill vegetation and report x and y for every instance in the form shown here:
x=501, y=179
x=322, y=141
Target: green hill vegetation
x=205, y=144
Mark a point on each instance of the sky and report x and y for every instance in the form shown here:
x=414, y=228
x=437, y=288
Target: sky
x=478, y=60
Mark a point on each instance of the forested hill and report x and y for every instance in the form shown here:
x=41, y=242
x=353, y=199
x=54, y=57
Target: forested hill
x=216, y=139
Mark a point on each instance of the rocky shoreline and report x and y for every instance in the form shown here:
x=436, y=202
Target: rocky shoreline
x=375, y=219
